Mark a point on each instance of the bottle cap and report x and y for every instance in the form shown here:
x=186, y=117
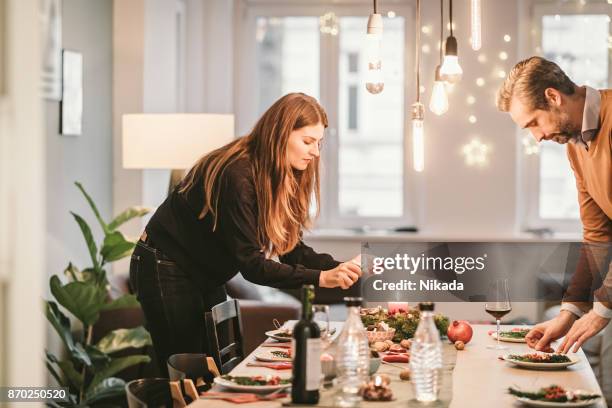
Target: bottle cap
x=426, y=306
x=353, y=301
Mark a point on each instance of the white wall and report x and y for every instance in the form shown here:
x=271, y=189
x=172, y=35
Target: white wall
x=22, y=200
x=86, y=28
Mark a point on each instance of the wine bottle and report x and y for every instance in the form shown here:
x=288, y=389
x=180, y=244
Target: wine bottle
x=306, y=354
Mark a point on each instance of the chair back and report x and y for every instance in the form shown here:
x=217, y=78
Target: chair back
x=191, y=366
x=149, y=393
x=224, y=332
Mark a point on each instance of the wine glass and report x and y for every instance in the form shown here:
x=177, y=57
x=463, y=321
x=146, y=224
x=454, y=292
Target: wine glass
x=498, y=305
x=320, y=315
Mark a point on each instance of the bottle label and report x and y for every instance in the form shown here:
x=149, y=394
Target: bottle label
x=313, y=364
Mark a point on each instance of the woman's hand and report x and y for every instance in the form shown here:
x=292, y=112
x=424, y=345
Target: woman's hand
x=343, y=275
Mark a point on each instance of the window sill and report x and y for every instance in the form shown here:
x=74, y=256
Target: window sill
x=391, y=236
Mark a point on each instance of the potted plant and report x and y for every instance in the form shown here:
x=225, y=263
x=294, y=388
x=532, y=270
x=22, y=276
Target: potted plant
x=88, y=370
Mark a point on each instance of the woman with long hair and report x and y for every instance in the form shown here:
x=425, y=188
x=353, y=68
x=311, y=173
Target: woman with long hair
x=238, y=207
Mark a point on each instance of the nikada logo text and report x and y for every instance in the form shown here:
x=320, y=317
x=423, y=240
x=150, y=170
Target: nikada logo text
x=413, y=264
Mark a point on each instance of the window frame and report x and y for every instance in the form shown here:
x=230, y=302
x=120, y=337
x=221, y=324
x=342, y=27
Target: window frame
x=530, y=164
x=246, y=99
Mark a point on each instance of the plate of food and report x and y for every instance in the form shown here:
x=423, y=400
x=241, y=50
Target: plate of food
x=515, y=335
x=545, y=361
x=555, y=396
x=273, y=356
x=282, y=334
x=257, y=383
x=285, y=334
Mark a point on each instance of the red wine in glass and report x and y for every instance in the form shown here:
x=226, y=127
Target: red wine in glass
x=498, y=305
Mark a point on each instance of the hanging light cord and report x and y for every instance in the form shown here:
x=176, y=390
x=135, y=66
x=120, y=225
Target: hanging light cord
x=417, y=51
x=441, y=29
x=375, y=8
x=450, y=16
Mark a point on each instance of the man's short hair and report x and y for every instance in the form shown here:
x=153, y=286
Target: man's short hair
x=529, y=79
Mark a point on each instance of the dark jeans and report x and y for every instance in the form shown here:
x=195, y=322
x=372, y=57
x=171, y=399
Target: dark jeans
x=173, y=305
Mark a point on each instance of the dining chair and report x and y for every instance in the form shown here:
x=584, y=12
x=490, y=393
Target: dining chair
x=191, y=366
x=149, y=393
x=224, y=332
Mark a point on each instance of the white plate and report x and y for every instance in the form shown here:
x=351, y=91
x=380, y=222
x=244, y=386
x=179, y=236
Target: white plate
x=268, y=357
x=273, y=334
x=536, y=403
x=543, y=366
x=508, y=339
x=249, y=388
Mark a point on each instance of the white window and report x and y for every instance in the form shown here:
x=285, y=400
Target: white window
x=282, y=49
x=579, y=41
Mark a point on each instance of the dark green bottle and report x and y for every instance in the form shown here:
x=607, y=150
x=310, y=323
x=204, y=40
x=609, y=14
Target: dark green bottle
x=306, y=354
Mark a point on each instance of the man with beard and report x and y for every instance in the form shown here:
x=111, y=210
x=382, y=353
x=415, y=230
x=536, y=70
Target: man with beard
x=540, y=97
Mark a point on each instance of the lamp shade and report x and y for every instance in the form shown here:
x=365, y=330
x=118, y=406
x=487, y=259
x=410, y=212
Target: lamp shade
x=172, y=140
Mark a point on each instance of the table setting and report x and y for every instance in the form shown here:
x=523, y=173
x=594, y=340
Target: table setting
x=480, y=367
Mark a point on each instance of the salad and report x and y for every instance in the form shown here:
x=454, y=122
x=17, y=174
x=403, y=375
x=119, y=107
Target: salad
x=540, y=358
x=514, y=333
x=553, y=393
x=257, y=380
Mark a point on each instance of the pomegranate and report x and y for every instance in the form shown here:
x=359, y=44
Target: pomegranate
x=459, y=330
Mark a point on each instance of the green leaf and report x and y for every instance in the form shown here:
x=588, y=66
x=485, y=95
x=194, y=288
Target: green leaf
x=116, y=247
x=122, y=339
x=83, y=299
x=127, y=215
x=51, y=359
x=61, y=324
x=115, y=366
x=109, y=388
x=98, y=357
x=91, y=244
x=71, y=374
x=93, y=207
x=124, y=302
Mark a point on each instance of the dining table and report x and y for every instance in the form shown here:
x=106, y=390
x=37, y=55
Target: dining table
x=473, y=377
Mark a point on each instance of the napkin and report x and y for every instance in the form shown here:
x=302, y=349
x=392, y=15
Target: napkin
x=274, y=366
x=241, y=398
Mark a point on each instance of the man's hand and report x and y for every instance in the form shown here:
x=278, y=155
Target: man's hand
x=583, y=329
x=343, y=275
x=542, y=334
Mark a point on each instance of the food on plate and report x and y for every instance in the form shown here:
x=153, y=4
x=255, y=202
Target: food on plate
x=515, y=333
x=281, y=354
x=553, y=393
x=389, y=342
x=257, y=380
x=380, y=346
x=397, y=348
x=540, y=358
x=405, y=375
x=459, y=330
x=406, y=343
x=459, y=345
x=404, y=323
x=396, y=358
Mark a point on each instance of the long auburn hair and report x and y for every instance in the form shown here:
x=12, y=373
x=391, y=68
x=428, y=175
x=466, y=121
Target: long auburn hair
x=283, y=193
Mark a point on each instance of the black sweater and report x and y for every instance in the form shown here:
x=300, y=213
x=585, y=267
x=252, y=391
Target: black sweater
x=212, y=258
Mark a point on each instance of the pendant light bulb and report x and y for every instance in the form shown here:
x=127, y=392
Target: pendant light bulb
x=476, y=25
x=374, y=77
x=438, y=103
x=451, y=71
x=418, y=137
